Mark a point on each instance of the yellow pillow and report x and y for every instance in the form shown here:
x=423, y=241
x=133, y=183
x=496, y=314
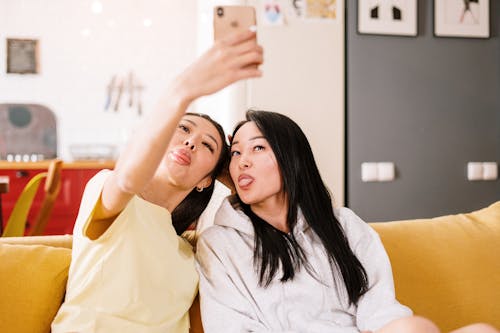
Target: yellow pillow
x=447, y=268
x=32, y=285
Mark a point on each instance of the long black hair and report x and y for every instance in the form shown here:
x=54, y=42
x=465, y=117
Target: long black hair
x=190, y=209
x=304, y=188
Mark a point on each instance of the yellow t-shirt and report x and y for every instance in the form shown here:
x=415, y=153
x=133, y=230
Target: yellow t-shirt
x=138, y=276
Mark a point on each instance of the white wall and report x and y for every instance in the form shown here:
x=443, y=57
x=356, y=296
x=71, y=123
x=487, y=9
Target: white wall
x=303, y=78
x=76, y=69
x=303, y=70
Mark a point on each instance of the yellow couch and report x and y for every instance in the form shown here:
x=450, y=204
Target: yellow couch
x=446, y=268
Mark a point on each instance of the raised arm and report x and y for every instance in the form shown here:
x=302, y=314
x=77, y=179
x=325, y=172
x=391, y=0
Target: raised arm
x=228, y=61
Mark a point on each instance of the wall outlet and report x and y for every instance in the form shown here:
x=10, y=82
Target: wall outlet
x=482, y=171
x=369, y=172
x=490, y=171
x=378, y=171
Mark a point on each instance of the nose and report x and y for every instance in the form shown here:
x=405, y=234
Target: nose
x=190, y=143
x=244, y=162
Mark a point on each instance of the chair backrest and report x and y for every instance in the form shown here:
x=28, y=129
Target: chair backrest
x=16, y=223
x=51, y=189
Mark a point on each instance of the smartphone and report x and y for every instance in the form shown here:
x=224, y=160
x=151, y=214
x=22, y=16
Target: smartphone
x=229, y=19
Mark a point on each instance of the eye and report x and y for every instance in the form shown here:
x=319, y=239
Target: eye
x=258, y=148
x=184, y=128
x=235, y=153
x=208, y=145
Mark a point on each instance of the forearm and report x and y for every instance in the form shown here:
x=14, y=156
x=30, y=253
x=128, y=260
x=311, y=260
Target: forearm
x=143, y=154
x=141, y=157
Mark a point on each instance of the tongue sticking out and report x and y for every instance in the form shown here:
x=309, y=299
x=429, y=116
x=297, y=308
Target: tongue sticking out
x=245, y=181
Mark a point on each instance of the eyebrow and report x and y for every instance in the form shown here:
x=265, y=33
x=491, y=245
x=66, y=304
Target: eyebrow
x=252, y=138
x=207, y=134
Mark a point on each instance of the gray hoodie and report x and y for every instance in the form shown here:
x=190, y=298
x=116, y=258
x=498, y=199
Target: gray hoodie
x=314, y=301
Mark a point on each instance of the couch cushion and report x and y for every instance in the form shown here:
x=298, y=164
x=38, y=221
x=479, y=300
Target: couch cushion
x=52, y=240
x=447, y=268
x=32, y=284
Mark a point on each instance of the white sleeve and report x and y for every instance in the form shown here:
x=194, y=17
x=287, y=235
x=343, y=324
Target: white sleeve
x=224, y=307
x=378, y=306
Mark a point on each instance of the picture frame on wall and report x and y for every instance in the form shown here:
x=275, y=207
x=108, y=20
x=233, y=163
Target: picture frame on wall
x=462, y=18
x=388, y=17
x=22, y=56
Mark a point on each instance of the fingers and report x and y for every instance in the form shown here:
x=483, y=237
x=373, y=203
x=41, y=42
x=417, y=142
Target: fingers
x=239, y=37
x=253, y=58
x=229, y=60
x=239, y=50
x=234, y=54
x=248, y=73
x=246, y=46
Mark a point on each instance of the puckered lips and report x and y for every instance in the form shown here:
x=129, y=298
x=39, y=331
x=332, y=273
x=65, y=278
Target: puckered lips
x=181, y=156
x=245, y=181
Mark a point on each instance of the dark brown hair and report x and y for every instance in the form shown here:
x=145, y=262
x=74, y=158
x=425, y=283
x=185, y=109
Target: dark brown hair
x=190, y=209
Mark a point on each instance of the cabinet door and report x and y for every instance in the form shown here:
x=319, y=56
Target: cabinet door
x=18, y=180
x=65, y=210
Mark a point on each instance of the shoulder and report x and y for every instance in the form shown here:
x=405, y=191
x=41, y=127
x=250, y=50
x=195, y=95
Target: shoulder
x=219, y=238
x=90, y=198
x=354, y=227
x=214, y=246
x=213, y=234
x=348, y=219
x=231, y=216
x=97, y=181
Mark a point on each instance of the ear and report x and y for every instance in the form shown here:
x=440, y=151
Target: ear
x=205, y=182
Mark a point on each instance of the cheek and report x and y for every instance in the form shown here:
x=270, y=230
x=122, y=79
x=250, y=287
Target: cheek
x=210, y=161
x=177, y=138
x=273, y=172
x=233, y=166
x=270, y=164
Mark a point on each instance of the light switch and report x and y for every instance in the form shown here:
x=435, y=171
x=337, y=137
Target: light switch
x=475, y=171
x=490, y=171
x=386, y=171
x=377, y=171
x=369, y=172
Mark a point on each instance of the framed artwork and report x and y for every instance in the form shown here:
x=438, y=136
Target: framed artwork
x=387, y=17
x=22, y=56
x=462, y=18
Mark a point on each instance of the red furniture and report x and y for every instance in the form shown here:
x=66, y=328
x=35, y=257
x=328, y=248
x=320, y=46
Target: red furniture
x=73, y=180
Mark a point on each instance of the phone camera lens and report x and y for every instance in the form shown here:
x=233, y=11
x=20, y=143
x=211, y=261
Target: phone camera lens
x=220, y=11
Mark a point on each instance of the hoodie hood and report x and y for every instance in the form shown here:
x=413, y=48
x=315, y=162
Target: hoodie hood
x=231, y=215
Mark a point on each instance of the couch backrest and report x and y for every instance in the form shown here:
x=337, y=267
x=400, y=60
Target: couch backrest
x=447, y=268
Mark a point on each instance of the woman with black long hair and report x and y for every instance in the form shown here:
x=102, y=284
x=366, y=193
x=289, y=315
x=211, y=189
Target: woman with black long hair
x=280, y=258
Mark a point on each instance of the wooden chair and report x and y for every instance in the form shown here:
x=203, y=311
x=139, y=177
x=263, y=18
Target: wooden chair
x=16, y=223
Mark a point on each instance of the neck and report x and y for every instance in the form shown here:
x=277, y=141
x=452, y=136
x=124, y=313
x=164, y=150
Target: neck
x=162, y=193
x=274, y=212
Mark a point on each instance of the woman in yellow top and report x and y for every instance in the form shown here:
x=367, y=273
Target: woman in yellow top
x=130, y=270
